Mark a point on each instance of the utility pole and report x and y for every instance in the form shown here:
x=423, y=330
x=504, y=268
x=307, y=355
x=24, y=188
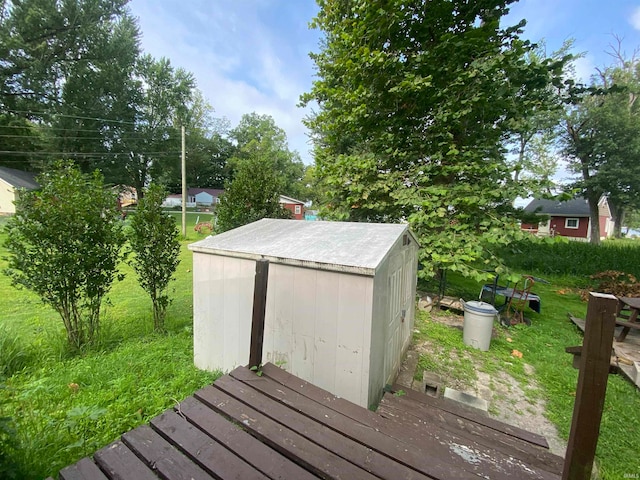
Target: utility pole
x=184, y=187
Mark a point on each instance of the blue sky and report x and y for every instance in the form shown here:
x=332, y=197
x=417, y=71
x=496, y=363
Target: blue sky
x=252, y=55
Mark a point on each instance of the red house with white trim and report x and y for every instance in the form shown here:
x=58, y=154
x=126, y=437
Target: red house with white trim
x=569, y=219
x=296, y=207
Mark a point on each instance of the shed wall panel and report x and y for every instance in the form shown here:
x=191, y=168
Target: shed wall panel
x=326, y=329
x=222, y=305
x=317, y=327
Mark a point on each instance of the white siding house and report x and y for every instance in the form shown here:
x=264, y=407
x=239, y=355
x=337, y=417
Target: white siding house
x=11, y=183
x=340, y=301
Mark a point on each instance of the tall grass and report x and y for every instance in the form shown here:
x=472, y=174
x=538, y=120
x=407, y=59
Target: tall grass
x=15, y=353
x=561, y=257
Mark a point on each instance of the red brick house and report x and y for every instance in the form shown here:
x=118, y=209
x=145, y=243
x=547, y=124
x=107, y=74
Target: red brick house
x=569, y=219
x=296, y=207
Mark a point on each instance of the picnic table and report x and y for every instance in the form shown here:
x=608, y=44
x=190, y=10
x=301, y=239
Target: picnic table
x=628, y=308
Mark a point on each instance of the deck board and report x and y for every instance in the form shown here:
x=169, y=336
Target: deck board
x=319, y=432
x=162, y=456
x=245, y=446
x=277, y=426
x=505, y=459
x=85, y=469
x=474, y=415
x=117, y=461
x=202, y=449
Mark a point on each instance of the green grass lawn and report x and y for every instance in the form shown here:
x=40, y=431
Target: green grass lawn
x=543, y=346
x=65, y=407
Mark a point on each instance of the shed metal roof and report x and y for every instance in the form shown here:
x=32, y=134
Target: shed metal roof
x=578, y=207
x=340, y=246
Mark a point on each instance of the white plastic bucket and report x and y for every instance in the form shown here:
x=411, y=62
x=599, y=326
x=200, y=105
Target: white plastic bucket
x=478, y=324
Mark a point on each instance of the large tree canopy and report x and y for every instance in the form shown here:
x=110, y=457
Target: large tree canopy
x=416, y=101
x=601, y=140
x=258, y=136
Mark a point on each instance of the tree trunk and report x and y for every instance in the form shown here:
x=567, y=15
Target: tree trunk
x=594, y=217
x=617, y=212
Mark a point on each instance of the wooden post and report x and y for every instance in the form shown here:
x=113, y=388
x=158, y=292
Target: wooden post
x=592, y=386
x=259, y=307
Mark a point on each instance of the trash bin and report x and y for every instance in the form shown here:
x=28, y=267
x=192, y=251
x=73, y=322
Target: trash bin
x=478, y=324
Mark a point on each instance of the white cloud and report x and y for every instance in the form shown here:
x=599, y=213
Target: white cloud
x=584, y=68
x=634, y=19
x=241, y=63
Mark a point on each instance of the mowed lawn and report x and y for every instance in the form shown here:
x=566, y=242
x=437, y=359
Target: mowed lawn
x=65, y=407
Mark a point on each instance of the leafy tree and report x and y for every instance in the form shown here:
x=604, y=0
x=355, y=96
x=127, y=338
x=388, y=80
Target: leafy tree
x=416, y=105
x=64, y=243
x=207, y=147
x=155, y=245
x=164, y=94
x=258, y=135
x=253, y=194
x=601, y=140
x=61, y=61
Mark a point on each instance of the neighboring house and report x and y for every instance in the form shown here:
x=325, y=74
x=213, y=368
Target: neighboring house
x=204, y=196
x=296, y=207
x=11, y=182
x=569, y=219
x=195, y=196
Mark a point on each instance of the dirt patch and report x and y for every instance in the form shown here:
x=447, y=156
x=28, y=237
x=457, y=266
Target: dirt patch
x=509, y=401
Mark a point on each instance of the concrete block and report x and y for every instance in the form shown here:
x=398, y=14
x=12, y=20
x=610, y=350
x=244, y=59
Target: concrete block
x=466, y=399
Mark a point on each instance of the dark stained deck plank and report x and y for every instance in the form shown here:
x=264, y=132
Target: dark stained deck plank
x=434, y=451
x=245, y=446
x=406, y=410
x=85, y=469
x=361, y=455
x=474, y=416
x=120, y=463
x=161, y=456
x=535, y=458
x=202, y=449
x=311, y=456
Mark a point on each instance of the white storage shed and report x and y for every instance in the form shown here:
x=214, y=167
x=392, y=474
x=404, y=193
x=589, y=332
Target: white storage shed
x=340, y=301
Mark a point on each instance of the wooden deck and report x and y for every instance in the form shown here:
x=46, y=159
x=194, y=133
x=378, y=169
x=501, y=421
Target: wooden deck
x=625, y=353
x=278, y=426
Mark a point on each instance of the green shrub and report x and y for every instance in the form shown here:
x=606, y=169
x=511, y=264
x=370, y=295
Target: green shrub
x=559, y=256
x=154, y=242
x=64, y=244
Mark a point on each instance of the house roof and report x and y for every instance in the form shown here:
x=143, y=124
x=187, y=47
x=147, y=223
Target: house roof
x=353, y=247
x=285, y=199
x=214, y=192
x=578, y=207
x=19, y=178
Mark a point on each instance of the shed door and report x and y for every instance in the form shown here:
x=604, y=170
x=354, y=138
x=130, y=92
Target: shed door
x=393, y=350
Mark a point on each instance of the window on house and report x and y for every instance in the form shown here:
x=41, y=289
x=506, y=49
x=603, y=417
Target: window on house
x=571, y=222
x=298, y=209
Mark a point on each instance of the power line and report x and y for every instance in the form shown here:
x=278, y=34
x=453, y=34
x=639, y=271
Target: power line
x=126, y=137
x=12, y=152
x=31, y=112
